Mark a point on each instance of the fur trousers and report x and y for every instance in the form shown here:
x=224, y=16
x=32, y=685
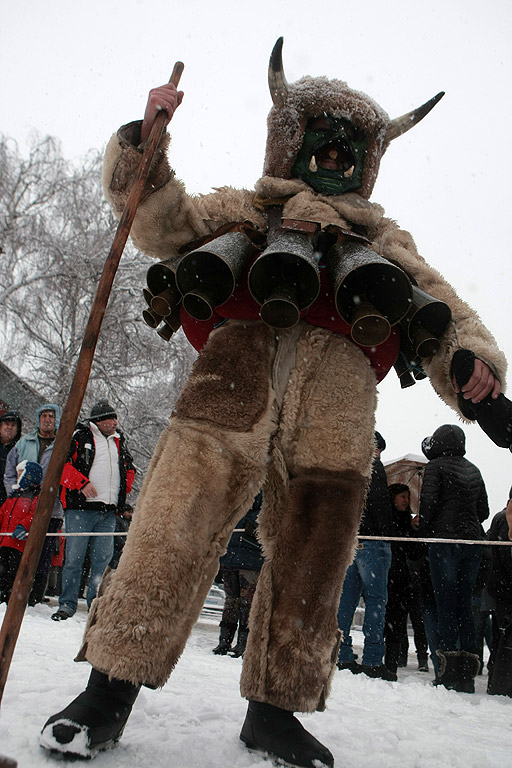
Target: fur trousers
x=292, y=413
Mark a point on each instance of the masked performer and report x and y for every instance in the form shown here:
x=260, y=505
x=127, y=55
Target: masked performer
x=282, y=396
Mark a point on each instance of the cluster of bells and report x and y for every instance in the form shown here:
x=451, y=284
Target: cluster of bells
x=282, y=271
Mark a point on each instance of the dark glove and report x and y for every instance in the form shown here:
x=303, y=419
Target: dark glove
x=19, y=533
x=493, y=416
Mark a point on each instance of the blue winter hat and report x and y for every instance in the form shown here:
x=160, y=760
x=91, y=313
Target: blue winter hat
x=32, y=474
x=49, y=407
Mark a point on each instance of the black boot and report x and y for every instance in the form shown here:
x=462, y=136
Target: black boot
x=94, y=721
x=469, y=664
x=392, y=657
x=449, y=669
x=241, y=642
x=227, y=633
x=381, y=671
x=500, y=671
x=276, y=731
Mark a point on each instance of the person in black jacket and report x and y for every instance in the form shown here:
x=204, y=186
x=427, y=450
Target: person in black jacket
x=368, y=577
x=95, y=480
x=400, y=591
x=453, y=505
x=239, y=569
x=10, y=433
x=499, y=587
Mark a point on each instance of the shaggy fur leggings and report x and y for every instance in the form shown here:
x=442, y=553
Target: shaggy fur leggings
x=292, y=413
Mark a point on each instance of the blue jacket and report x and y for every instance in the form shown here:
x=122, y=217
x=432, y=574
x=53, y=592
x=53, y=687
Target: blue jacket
x=27, y=448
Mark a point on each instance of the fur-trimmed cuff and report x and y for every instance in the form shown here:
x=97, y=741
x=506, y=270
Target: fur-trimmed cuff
x=122, y=159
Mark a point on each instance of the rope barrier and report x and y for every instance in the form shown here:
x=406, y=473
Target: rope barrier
x=482, y=542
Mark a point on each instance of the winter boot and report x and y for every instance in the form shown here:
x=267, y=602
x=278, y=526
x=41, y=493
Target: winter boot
x=392, y=657
x=94, y=721
x=279, y=733
x=469, y=664
x=227, y=633
x=500, y=672
x=353, y=666
x=381, y=672
x=241, y=642
x=449, y=669
x=422, y=664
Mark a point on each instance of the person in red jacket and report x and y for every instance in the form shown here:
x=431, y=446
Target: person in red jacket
x=16, y=514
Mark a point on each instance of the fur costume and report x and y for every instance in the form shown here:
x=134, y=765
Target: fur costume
x=292, y=411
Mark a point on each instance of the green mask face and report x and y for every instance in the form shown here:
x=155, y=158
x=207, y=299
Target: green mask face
x=331, y=158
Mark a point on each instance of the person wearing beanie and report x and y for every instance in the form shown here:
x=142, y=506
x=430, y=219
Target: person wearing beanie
x=96, y=478
x=16, y=515
x=282, y=397
x=10, y=433
x=37, y=446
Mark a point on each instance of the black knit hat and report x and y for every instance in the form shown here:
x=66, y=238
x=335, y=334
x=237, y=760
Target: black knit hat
x=379, y=441
x=10, y=416
x=102, y=410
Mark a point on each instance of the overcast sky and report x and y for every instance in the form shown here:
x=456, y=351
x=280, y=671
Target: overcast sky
x=78, y=71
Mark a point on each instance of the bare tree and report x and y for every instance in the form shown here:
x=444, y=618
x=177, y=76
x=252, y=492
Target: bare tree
x=55, y=233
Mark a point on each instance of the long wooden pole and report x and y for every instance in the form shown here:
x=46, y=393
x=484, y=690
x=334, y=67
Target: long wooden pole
x=28, y=564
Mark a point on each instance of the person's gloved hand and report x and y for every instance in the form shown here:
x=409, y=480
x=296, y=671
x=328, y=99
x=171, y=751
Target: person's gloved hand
x=472, y=378
x=492, y=410
x=19, y=533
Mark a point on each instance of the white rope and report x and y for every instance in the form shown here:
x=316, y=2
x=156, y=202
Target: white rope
x=439, y=541
x=482, y=542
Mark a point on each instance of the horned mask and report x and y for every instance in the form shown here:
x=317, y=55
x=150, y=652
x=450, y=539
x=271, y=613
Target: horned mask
x=327, y=134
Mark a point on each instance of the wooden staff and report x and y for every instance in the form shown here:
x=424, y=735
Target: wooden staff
x=28, y=564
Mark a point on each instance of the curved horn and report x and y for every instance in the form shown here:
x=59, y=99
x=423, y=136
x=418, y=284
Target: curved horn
x=400, y=125
x=276, y=79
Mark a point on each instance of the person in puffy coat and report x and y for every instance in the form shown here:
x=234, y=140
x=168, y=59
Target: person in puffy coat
x=453, y=505
x=16, y=514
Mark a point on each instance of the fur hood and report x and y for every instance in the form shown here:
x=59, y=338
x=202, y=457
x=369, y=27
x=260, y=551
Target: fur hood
x=313, y=96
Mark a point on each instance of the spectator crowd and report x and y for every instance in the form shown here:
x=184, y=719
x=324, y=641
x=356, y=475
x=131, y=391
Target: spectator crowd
x=96, y=479
x=420, y=568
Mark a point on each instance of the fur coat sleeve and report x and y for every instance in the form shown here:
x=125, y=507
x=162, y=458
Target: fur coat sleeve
x=167, y=217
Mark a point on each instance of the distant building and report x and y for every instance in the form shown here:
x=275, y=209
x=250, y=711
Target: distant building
x=17, y=395
x=409, y=470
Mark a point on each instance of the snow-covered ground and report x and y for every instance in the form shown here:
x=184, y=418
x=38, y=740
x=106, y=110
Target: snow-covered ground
x=195, y=720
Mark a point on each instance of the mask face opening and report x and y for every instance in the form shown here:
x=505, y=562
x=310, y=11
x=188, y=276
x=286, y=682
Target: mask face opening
x=331, y=158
